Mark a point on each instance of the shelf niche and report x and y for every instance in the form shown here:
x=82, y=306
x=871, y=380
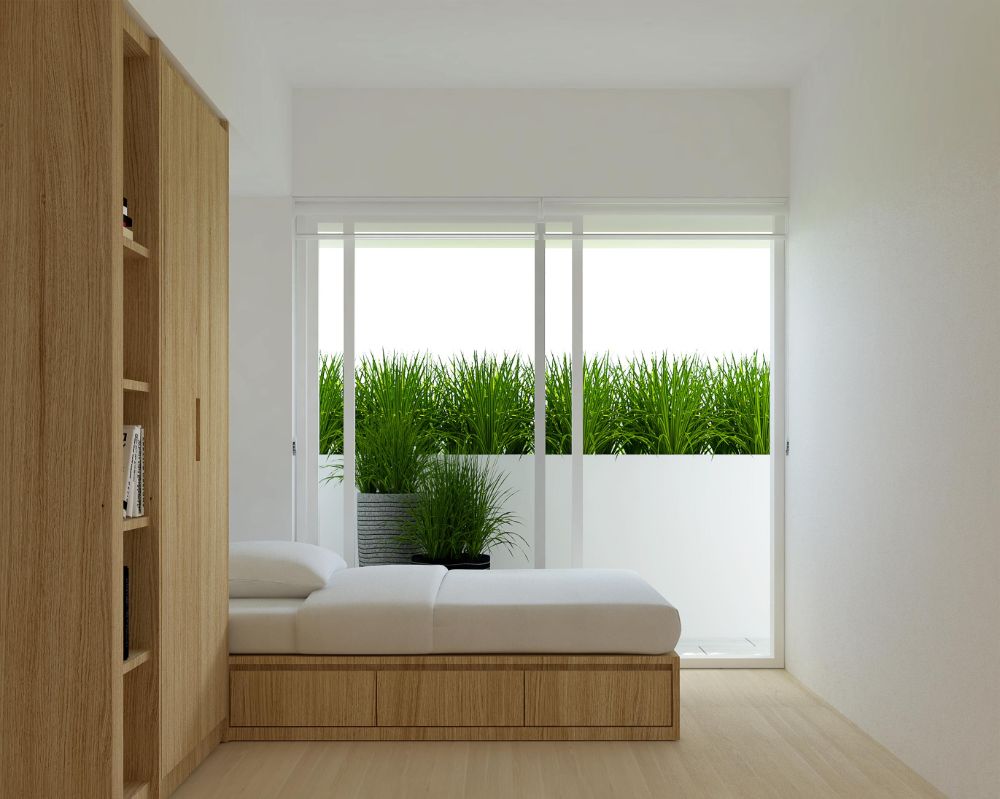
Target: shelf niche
x=140, y=405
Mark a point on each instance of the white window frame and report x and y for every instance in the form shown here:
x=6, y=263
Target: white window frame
x=536, y=211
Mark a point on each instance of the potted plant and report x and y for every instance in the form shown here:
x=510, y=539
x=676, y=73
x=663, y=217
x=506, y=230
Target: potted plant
x=458, y=516
x=395, y=439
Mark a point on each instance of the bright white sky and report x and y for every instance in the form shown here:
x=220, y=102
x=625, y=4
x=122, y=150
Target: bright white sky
x=713, y=300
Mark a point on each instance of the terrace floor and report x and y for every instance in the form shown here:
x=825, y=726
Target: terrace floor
x=696, y=648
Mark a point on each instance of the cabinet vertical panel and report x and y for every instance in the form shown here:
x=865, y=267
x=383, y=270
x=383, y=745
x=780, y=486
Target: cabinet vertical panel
x=218, y=431
x=194, y=544
x=60, y=398
x=178, y=379
x=214, y=394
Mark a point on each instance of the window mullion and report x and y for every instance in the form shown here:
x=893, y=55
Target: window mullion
x=576, y=523
x=350, y=461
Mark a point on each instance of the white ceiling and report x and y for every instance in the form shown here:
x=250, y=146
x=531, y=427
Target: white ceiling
x=543, y=43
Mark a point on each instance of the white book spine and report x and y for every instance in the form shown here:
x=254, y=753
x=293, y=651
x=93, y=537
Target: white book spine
x=133, y=497
x=131, y=494
x=128, y=470
x=141, y=509
x=126, y=465
x=131, y=473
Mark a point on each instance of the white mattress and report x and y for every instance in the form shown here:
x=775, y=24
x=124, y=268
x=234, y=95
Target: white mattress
x=553, y=611
x=263, y=626
x=377, y=610
x=403, y=610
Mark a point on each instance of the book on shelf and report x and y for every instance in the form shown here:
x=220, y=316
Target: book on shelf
x=133, y=471
x=125, y=641
x=141, y=484
x=126, y=221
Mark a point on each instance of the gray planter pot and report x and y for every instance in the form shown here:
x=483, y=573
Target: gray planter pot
x=380, y=522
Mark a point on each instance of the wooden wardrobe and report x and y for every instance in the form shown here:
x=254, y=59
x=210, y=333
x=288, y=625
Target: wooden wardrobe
x=97, y=331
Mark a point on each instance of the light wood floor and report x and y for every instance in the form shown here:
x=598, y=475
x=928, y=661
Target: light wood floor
x=744, y=734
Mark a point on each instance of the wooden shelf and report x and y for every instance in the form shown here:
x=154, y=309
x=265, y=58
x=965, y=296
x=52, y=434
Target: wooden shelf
x=135, y=659
x=135, y=523
x=136, y=790
x=135, y=385
x=134, y=251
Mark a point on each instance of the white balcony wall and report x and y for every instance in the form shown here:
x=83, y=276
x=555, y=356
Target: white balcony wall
x=696, y=527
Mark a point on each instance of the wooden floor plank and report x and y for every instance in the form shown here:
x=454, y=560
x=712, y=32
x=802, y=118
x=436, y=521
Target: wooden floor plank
x=745, y=734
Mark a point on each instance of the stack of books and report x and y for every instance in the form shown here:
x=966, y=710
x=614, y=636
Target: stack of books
x=133, y=488
x=126, y=220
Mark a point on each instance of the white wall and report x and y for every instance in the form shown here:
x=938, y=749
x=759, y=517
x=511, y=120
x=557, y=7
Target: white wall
x=261, y=499
x=217, y=43
x=526, y=143
x=893, y=549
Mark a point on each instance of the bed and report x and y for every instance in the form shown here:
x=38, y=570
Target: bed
x=421, y=653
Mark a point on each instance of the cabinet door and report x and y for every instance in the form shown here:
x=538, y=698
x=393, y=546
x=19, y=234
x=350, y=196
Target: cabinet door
x=193, y=537
x=213, y=192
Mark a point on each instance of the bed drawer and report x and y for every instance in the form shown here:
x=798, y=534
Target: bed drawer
x=598, y=698
x=302, y=698
x=458, y=698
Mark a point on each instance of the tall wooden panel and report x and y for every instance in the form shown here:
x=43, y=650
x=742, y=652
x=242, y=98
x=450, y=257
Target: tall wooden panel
x=215, y=421
x=194, y=190
x=97, y=330
x=60, y=398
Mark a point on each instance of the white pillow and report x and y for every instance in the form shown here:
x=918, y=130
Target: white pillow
x=285, y=569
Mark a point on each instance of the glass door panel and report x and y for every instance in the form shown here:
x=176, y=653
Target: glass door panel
x=330, y=379
x=676, y=472
x=444, y=320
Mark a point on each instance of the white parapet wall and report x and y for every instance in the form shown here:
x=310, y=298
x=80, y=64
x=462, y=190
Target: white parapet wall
x=697, y=527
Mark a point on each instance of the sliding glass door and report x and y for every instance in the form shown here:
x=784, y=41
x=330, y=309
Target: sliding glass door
x=616, y=366
x=676, y=469
x=329, y=324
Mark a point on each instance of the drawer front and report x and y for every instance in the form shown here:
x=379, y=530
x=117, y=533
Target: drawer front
x=302, y=698
x=597, y=698
x=450, y=698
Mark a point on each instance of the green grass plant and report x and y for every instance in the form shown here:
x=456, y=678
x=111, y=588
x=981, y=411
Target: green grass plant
x=558, y=405
x=411, y=406
x=602, y=429
x=331, y=404
x=460, y=510
x=741, y=406
x=665, y=406
x=486, y=405
x=602, y=410
x=394, y=423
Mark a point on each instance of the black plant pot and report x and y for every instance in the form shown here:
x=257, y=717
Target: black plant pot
x=467, y=562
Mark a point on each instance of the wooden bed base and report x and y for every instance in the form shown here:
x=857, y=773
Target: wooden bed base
x=454, y=698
